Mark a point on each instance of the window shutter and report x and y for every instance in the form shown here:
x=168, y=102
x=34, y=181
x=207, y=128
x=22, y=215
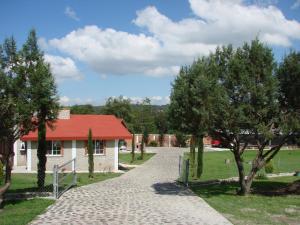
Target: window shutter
x=62, y=148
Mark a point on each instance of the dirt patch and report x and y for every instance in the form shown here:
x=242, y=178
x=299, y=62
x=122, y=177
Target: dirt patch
x=291, y=189
x=284, y=219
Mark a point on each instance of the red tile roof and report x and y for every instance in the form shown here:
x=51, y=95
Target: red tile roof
x=104, y=127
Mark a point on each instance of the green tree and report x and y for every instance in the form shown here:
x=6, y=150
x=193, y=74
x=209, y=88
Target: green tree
x=191, y=106
x=180, y=139
x=90, y=149
x=161, y=122
x=288, y=75
x=144, y=117
x=15, y=110
x=132, y=149
x=121, y=108
x=82, y=109
x=247, y=105
x=43, y=95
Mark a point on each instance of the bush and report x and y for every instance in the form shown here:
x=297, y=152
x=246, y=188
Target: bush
x=153, y=144
x=261, y=176
x=269, y=168
x=180, y=139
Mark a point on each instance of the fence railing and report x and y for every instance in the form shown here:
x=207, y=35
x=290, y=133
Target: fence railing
x=64, y=177
x=184, y=168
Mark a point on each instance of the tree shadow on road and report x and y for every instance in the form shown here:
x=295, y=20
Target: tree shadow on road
x=171, y=188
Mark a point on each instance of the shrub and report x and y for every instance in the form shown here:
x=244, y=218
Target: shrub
x=180, y=139
x=153, y=144
x=269, y=168
x=261, y=175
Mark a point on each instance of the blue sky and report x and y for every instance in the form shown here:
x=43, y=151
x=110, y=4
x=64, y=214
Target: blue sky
x=134, y=48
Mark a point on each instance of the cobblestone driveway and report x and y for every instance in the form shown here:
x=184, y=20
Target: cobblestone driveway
x=144, y=195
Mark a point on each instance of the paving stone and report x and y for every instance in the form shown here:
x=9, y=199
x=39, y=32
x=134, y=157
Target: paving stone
x=145, y=195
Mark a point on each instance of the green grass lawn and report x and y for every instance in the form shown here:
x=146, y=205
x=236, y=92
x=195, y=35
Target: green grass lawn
x=26, y=182
x=215, y=167
x=22, y=211
x=83, y=179
x=126, y=158
x=253, y=209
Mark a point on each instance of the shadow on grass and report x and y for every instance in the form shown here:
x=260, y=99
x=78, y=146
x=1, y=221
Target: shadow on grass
x=171, y=188
x=12, y=202
x=259, y=187
x=47, y=188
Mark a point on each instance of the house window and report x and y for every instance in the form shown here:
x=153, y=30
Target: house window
x=99, y=147
x=23, y=146
x=53, y=148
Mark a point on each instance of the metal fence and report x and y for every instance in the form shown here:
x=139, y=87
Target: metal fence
x=184, y=168
x=64, y=177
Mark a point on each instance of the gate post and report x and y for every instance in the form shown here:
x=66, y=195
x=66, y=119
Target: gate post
x=55, y=181
x=187, y=171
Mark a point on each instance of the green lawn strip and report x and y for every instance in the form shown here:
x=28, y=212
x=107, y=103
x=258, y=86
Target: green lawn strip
x=126, y=158
x=83, y=179
x=253, y=209
x=21, y=212
x=26, y=182
x=216, y=168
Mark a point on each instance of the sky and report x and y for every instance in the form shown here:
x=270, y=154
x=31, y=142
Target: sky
x=134, y=48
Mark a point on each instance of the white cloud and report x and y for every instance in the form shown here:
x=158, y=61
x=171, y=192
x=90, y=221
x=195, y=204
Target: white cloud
x=67, y=101
x=71, y=13
x=296, y=4
x=64, y=100
x=63, y=68
x=165, y=44
x=43, y=44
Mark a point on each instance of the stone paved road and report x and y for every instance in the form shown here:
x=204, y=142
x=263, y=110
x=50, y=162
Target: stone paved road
x=144, y=195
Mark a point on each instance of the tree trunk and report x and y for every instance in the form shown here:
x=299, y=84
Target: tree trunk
x=9, y=162
x=132, y=149
x=192, y=155
x=200, y=157
x=41, y=154
x=244, y=189
x=257, y=164
x=142, y=148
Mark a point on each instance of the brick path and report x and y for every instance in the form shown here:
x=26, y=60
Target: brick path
x=144, y=195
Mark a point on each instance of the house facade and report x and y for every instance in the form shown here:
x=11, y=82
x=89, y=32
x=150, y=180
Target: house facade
x=68, y=140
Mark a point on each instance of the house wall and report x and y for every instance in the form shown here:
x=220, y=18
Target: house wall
x=19, y=154
x=104, y=162
x=169, y=140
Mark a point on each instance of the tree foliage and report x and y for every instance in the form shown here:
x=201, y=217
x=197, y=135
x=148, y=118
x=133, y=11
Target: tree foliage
x=248, y=105
x=83, y=109
x=43, y=95
x=191, y=105
x=15, y=105
x=288, y=75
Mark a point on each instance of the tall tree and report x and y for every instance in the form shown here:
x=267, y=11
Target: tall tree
x=191, y=106
x=121, y=108
x=43, y=95
x=90, y=148
x=248, y=105
x=144, y=117
x=132, y=149
x=161, y=123
x=15, y=110
x=288, y=75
